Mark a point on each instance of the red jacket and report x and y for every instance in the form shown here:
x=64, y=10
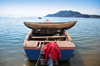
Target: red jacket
x=51, y=50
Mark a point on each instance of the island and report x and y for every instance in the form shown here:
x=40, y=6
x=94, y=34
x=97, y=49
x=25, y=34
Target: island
x=71, y=14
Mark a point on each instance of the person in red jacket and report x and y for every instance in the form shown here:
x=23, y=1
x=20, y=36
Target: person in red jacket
x=51, y=50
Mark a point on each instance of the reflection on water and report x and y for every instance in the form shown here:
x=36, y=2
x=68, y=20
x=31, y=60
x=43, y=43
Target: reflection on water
x=32, y=63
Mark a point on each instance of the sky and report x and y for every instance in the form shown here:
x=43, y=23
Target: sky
x=40, y=8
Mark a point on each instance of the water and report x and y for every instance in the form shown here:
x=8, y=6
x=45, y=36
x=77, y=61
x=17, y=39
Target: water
x=85, y=35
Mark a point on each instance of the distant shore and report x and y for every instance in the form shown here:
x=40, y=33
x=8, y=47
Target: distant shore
x=71, y=14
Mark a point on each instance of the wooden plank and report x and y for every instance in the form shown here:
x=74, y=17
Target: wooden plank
x=49, y=37
x=65, y=44
x=30, y=33
x=61, y=44
x=58, y=43
x=25, y=43
x=29, y=43
x=68, y=36
x=26, y=39
x=34, y=44
x=72, y=44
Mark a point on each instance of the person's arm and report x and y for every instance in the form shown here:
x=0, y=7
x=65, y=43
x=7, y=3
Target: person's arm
x=68, y=36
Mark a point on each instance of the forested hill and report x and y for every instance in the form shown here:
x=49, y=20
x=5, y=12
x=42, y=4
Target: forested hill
x=72, y=14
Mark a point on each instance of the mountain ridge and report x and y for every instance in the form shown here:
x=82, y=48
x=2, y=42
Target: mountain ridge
x=71, y=14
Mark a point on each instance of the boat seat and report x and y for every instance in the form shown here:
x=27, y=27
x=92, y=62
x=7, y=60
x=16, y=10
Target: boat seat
x=43, y=37
x=31, y=43
x=65, y=44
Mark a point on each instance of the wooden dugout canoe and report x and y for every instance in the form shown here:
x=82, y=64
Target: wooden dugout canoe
x=63, y=25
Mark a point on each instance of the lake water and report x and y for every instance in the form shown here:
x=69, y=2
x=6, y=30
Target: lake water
x=85, y=35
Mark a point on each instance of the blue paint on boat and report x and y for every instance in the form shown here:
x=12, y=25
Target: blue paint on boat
x=66, y=54
x=34, y=54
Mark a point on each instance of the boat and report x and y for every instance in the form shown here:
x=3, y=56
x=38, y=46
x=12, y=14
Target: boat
x=39, y=17
x=44, y=25
x=37, y=38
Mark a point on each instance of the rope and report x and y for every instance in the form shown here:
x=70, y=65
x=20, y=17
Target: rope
x=38, y=60
x=39, y=55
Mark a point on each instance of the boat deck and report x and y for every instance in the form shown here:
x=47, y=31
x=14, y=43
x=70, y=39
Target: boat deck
x=36, y=44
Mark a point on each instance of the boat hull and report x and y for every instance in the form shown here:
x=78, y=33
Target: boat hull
x=60, y=26
x=32, y=48
x=33, y=54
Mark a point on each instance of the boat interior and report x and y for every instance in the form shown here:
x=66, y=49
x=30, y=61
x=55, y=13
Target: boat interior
x=35, y=38
x=47, y=35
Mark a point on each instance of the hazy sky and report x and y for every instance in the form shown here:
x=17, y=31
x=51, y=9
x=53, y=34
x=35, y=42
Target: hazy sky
x=31, y=8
